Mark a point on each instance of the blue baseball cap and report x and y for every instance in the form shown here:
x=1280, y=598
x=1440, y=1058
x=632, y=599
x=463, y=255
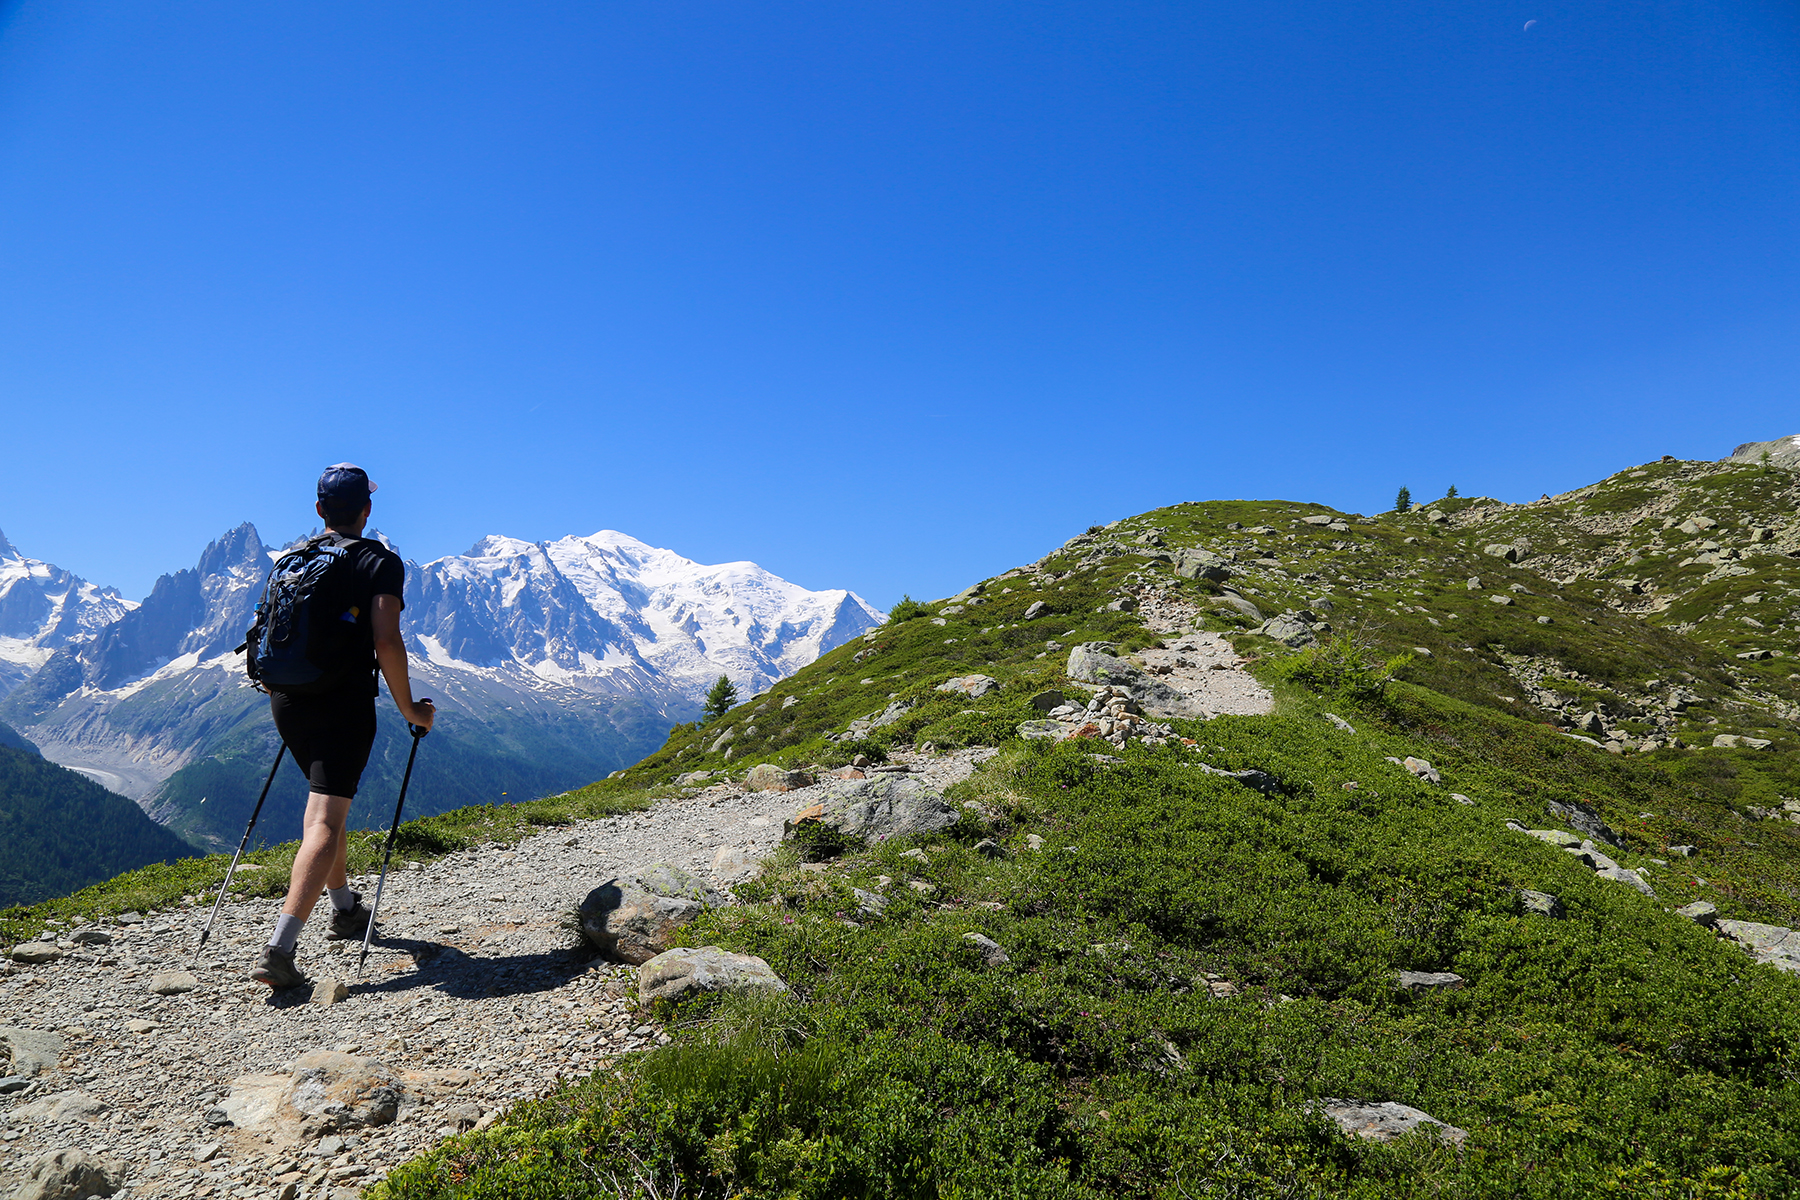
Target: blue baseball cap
x=345, y=482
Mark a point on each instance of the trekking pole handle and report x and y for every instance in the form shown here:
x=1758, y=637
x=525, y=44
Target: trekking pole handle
x=419, y=731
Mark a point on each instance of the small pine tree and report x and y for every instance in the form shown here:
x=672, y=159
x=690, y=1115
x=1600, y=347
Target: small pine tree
x=1451, y=494
x=719, y=700
x=1403, y=502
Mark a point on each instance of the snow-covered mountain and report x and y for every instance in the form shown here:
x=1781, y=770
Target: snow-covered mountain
x=609, y=613
x=552, y=663
x=44, y=608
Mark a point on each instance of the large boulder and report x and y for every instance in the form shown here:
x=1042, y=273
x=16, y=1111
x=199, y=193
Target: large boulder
x=1776, y=945
x=71, y=1175
x=1094, y=662
x=1386, y=1121
x=31, y=1050
x=1581, y=817
x=58, y=1107
x=972, y=686
x=677, y=973
x=1288, y=629
x=1196, y=563
x=767, y=777
x=633, y=916
x=327, y=1091
x=879, y=808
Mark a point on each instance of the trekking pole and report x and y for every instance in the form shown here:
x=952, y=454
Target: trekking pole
x=417, y=731
x=280, y=750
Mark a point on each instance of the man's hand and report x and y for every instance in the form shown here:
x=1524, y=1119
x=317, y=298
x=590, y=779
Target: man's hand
x=422, y=714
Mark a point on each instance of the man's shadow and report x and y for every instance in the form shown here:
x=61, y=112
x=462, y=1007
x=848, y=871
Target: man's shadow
x=460, y=975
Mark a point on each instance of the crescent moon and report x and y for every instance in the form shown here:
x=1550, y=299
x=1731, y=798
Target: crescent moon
x=1530, y=23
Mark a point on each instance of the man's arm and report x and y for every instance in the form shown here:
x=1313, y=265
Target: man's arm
x=390, y=653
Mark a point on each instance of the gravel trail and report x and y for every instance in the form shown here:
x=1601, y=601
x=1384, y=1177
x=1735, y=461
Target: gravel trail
x=474, y=993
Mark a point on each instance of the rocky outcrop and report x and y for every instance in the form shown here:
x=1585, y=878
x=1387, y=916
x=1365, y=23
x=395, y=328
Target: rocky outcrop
x=633, y=916
x=1095, y=662
x=874, y=810
x=674, y=974
x=71, y=1175
x=1386, y=1121
x=972, y=686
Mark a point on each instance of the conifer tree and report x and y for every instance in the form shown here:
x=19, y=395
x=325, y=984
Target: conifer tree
x=1403, y=502
x=1451, y=494
x=719, y=700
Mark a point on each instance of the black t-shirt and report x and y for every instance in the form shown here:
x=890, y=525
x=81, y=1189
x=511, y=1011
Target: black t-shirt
x=349, y=591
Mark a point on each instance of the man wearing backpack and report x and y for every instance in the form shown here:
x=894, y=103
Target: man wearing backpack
x=352, y=626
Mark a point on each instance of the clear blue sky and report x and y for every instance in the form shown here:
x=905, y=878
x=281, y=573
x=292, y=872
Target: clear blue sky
x=887, y=296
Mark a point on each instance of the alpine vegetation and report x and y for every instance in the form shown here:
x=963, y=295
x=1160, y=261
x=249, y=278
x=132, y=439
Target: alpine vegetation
x=1235, y=848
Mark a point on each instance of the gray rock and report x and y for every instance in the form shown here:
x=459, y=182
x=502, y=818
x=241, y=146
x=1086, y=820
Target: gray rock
x=1581, y=817
x=1034, y=841
x=1422, y=769
x=632, y=917
x=36, y=953
x=1782, y=452
x=693, y=777
x=767, y=777
x=1196, y=563
x=1628, y=877
x=972, y=686
x=62, y=1106
x=1288, y=630
x=890, y=714
x=71, y=1175
x=1318, y=519
x=1776, y=945
x=1509, y=553
x=1542, y=903
x=1429, y=981
x=13, y=1083
x=32, y=1050
x=1091, y=662
x=1700, y=912
x=1233, y=600
x=1556, y=837
x=877, y=809
x=96, y=937
x=1045, y=701
x=330, y=991
x=1122, y=604
x=988, y=948
x=1035, y=609
x=677, y=973
x=1590, y=854
x=869, y=904
x=723, y=740
x=172, y=983
x=1045, y=730
x=1387, y=1121
x=1340, y=722
x=1727, y=741
x=1684, y=851
x=328, y=1092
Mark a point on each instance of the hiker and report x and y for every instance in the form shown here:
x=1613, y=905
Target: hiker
x=329, y=725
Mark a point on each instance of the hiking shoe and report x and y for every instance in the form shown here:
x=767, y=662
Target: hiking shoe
x=349, y=924
x=276, y=968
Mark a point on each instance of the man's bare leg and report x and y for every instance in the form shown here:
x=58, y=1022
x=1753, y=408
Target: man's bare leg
x=320, y=860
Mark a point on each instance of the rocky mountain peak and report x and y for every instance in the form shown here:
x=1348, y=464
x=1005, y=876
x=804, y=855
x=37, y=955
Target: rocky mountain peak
x=1782, y=452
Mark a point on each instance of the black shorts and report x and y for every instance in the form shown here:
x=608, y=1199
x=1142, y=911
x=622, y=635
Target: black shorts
x=329, y=735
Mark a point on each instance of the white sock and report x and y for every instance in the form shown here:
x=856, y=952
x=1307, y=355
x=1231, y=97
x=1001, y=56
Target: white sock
x=287, y=932
x=342, y=899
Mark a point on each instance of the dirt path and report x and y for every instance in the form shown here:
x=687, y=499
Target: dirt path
x=475, y=997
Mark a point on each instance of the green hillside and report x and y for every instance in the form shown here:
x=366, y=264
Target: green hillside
x=1195, y=965
x=60, y=831
x=1615, y=1048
